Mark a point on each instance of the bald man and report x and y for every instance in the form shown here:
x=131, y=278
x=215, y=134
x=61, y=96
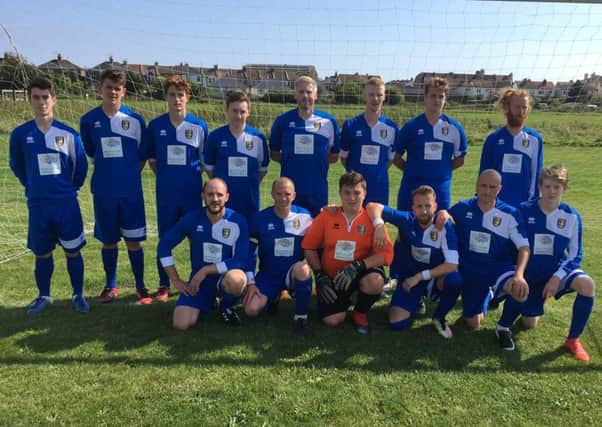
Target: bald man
x=219, y=248
x=494, y=251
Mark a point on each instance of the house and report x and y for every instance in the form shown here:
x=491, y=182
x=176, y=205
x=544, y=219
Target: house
x=63, y=66
x=463, y=86
x=539, y=90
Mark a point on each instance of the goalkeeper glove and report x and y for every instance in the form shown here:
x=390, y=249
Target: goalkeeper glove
x=348, y=274
x=326, y=292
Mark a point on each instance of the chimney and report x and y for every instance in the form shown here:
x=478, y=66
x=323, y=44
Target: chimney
x=111, y=59
x=59, y=57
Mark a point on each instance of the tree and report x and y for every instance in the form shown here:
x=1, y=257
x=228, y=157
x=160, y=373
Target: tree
x=394, y=95
x=348, y=93
x=577, y=92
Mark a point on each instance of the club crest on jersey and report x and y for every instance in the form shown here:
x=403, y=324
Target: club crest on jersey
x=125, y=124
x=60, y=140
x=249, y=144
x=361, y=229
x=188, y=133
x=225, y=233
x=561, y=223
x=526, y=142
x=296, y=223
x=445, y=131
x=317, y=125
x=383, y=133
x=496, y=221
x=434, y=235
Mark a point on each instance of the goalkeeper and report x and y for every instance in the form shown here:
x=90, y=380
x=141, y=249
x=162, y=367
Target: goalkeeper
x=340, y=250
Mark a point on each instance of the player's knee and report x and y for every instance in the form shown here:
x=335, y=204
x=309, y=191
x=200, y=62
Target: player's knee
x=234, y=282
x=44, y=256
x=301, y=271
x=398, y=314
x=400, y=324
x=109, y=246
x=252, y=310
x=372, y=284
x=72, y=254
x=334, y=319
x=133, y=246
x=584, y=285
x=453, y=282
x=474, y=322
x=182, y=323
x=530, y=322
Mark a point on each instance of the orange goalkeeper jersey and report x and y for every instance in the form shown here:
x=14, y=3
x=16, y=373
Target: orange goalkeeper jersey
x=343, y=242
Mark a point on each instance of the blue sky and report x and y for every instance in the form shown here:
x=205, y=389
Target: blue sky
x=392, y=38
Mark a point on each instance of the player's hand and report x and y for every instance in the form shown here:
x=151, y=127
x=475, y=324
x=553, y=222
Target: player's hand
x=197, y=279
x=411, y=281
x=348, y=274
x=183, y=288
x=326, y=292
x=551, y=287
x=519, y=289
x=250, y=292
x=442, y=217
x=380, y=237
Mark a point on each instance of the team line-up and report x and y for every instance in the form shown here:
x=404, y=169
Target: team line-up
x=515, y=242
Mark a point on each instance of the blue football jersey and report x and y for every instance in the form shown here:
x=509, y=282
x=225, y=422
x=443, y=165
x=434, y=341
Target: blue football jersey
x=428, y=247
x=239, y=162
x=116, y=145
x=488, y=239
x=555, y=241
x=50, y=165
x=278, y=240
x=368, y=150
x=519, y=159
x=431, y=149
x=305, y=146
x=225, y=243
x=177, y=154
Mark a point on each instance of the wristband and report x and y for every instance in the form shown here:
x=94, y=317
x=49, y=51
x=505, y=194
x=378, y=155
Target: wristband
x=426, y=274
x=377, y=222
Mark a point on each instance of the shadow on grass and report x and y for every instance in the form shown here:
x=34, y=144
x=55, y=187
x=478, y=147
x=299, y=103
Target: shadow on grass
x=125, y=332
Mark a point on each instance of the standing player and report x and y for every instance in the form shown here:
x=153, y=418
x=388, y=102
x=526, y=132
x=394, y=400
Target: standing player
x=431, y=269
x=490, y=232
x=175, y=143
x=367, y=143
x=238, y=154
x=515, y=151
x=554, y=269
x=349, y=261
x=277, y=231
x=219, y=245
x=48, y=159
x=435, y=145
x=304, y=141
x=113, y=138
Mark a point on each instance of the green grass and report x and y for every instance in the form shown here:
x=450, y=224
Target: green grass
x=122, y=364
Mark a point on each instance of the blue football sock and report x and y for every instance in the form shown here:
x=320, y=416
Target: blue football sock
x=452, y=285
x=109, y=262
x=510, y=313
x=227, y=300
x=582, y=308
x=43, y=272
x=302, y=296
x=75, y=267
x=137, y=262
x=163, y=278
x=402, y=324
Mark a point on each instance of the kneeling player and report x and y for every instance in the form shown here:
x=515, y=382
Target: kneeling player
x=350, y=261
x=490, y=233
x=219, y=245
x=277, y=231
x=555, y=229
x=431, y=269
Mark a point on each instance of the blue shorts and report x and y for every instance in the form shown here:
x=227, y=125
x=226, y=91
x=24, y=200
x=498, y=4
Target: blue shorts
x=533, y=307
x=204, y=300
x=312, y=202
x=119, y=216
x=409, y=301
x=481, y=286
x=271, y=285
x=408, y=185
x=55, y=221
